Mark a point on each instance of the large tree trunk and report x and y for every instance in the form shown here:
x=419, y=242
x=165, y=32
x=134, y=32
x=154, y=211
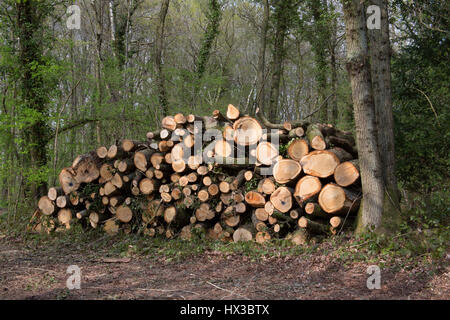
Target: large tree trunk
x=30, y=18
x=380, y=53
x=358, y=67
x=262, y=58
x=282, y=11
x=158, y=58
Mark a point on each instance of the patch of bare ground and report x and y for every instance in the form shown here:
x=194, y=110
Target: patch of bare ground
x=41, y=274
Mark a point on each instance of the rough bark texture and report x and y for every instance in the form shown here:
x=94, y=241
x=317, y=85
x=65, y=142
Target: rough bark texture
x=358, y=67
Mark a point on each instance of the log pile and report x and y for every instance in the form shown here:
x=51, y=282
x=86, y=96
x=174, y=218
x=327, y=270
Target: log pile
x=222, y=176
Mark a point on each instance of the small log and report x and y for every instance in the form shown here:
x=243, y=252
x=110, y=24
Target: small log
x=313, y=226
x=102, y=152
x=54, y=193
x=62, y=201
x=232, y=112
x=266, y=186
x=315, y=137
x=142, y=159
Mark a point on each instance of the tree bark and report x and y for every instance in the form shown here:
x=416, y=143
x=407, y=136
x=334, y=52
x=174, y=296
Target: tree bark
x=160, y=78
x=358, y=67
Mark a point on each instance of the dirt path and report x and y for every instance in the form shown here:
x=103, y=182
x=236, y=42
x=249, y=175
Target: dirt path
x=31, y=274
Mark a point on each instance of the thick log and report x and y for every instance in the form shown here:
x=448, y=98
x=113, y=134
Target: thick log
x=266, y=186
x=286, y=170
x=336, y=200
x=46, y=205
x=320, y=163
x=266, y=153
x=247, y=131
x=102, y=152
x=65, y=216
x=347, y=173
x=297, y=149
x=307, y=188
x=106, y=172
x=67, y=180
x=281, y=199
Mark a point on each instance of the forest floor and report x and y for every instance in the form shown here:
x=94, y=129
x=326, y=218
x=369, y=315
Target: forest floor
x=132, y=268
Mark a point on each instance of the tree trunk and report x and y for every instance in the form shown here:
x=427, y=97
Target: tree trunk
x=358, y=67
x=160, y=79
x=262, y=58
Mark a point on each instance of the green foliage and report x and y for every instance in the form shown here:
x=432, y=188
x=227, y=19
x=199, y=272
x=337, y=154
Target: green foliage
x=421, y=98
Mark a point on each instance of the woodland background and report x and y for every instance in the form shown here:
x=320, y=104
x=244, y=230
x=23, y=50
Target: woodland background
x=65, y=92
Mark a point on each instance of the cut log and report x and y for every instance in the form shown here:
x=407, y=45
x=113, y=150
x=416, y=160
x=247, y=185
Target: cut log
x=266, y=186
x=320, y=163
x=314, y=210
x=62, y=201
x=315, y=137
x=247, y=131
x=142, y=159
x=65, y=216
x=255, y=199
x=68, y=181
x=102, y=152
x=261, y=214
x=266, y=153
x=86, y=167
x=115, y=151
x=54, y=193
x=129, y=145
x=46, y=205
x=147, y=186
x=307, y=188
x=299, y=237
x=222, y=148
x=244, y=233
x=126, y=165
x=313, y=226
x=297, y=149
x=347, y=173
x=169, y=123
x=232, y=112
x=286, y=170
x=111, y=227
x=124, y=214
x=179, y=118
x=248, y=175
x=336, y=200
x=281, y=199
x=106, y=172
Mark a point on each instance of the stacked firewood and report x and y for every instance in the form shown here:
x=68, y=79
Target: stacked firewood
x=228, y=176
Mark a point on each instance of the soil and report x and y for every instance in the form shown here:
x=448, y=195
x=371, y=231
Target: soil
x=41, y=274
